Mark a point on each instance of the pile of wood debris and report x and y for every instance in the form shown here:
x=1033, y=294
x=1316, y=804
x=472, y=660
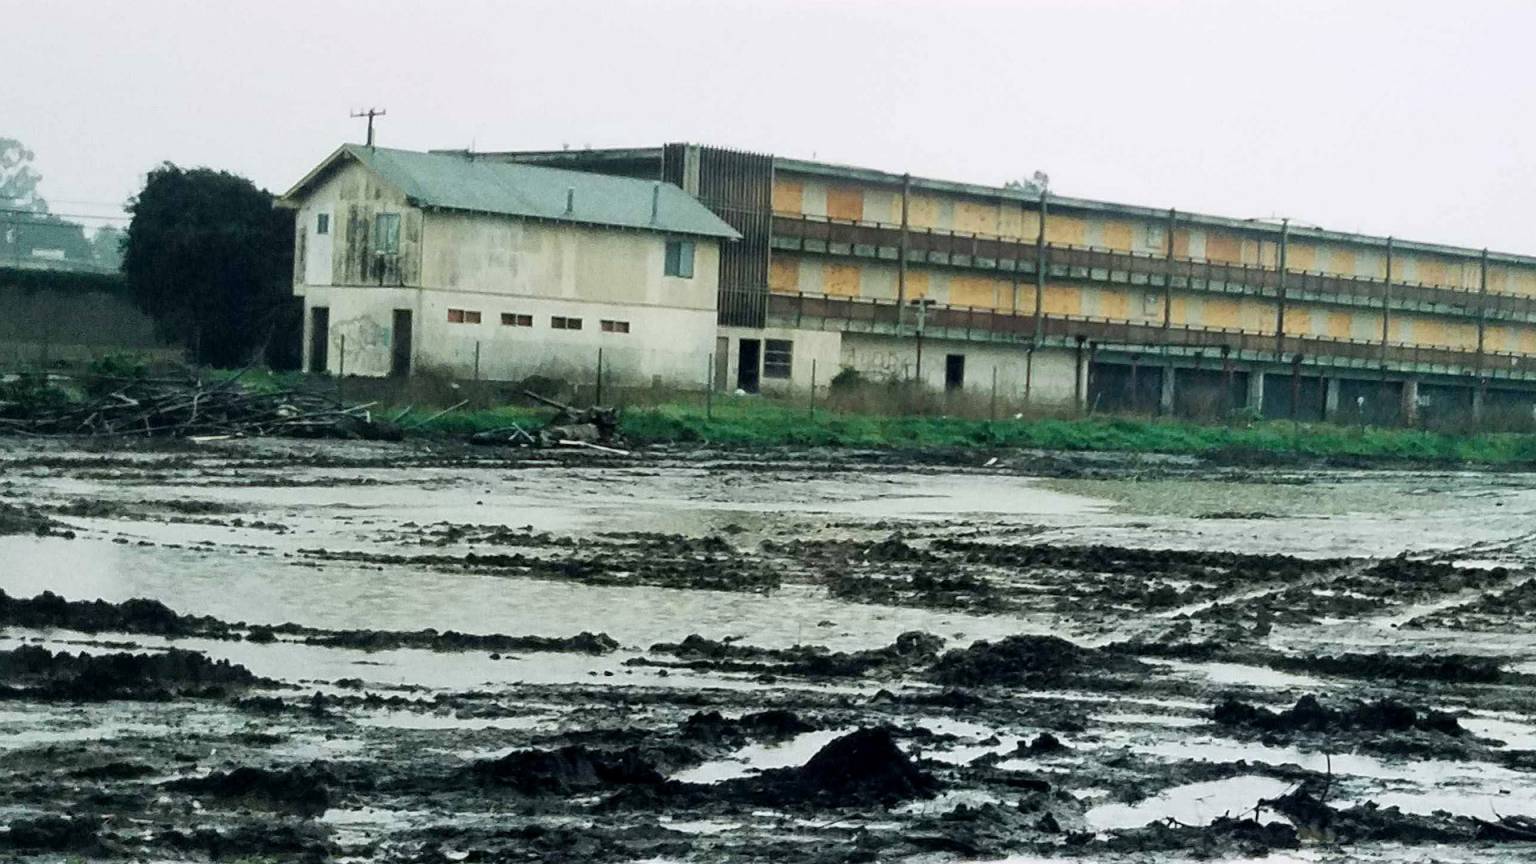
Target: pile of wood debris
x=176, y=407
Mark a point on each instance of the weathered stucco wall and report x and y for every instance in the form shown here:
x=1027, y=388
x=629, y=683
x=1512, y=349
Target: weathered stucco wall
x=455, y=267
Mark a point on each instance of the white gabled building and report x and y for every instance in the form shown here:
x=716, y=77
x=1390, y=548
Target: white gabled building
x=411, y=261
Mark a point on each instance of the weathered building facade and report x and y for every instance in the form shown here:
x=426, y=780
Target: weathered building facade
x=412, y=261
x=1091, y=303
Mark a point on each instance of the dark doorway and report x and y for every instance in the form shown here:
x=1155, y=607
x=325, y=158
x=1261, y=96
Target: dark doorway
x=749, y=360
x=319, y=339
x=954, y=371
x=400, y=347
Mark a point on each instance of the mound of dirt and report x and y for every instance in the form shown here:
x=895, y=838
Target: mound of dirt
x=1224, y=838
x=53, y=834
x=772, y=725
x=150, y=617
x=452, y=640
x=31, y=672
x=304, y=789
x=910, y=650
x=1449, y=668
x=862, y=768
x=1025, y=661
x=27, y=520
x=567, y=770
x=1310, y=715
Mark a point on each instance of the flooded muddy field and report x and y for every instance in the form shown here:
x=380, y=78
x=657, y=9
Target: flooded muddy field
x=396, y=652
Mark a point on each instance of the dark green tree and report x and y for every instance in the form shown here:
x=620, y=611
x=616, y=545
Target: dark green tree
x=210, y=259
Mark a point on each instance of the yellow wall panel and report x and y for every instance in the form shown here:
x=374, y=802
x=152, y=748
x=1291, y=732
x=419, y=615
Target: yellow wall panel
x=1065, y=229
x=1115, y=303
x=1061, y=299
x=1341, y=260
x=784, y=274
x=1226, y=248
x=1339, y=325
x=1523, y=281
x=1257, y=316
x=968, y=290
x=788, y=196
x=1221, y=312
x=1011, y=221
x=1298, y=321
x=1180, y=312
x=917, y=284
x=1117, y=234
x=922, y=212
x=1181, y=243
x=974, y=217
x=841, y=280
x=845, y=202
x=1301, y=256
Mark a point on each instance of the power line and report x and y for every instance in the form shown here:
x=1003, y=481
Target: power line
x=59, y=215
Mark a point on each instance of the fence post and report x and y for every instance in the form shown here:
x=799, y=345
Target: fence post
x=341, y=364
x=993, y=409
x=813, y=388
x=709, y=388
x=599, y=399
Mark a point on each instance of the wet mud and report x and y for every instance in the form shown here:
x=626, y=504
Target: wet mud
x=362, y=652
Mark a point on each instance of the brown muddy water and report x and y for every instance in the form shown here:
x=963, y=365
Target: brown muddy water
x=403, y=653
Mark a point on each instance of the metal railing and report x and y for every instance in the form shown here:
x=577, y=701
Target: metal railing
x=876, y=315
x=1065, y=261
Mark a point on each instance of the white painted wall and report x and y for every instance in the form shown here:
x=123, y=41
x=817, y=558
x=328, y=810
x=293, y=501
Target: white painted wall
x=1051, y=381
x=500, y=265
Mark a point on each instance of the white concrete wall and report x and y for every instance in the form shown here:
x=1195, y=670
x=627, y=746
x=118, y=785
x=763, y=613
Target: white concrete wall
x=499, y=265
x=815, y=353
x=1051, y=381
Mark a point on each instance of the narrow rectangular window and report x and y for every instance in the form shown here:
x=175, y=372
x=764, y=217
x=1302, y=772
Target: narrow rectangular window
x=386, y=233
x=679, y=259
x=322, y=223
x=471, y=317
x=559, y=322
x=615, y=326
x=512, y=319
x=778, y=358
x=455, y=316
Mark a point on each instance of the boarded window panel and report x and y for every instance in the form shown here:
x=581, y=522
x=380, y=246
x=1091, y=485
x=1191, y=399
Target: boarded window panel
x=784, y=274
x=386, y=233
x=679, y=259
x=845, y=202
x=778, y=358
x=788, y=196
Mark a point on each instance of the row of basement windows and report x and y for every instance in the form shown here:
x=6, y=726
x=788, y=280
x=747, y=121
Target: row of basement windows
x=515, y=319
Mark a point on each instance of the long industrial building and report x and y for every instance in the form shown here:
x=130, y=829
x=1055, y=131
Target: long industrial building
x=1073, y=301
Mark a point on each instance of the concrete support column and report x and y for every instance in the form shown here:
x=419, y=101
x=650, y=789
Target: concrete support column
x=1256, y=391
x=1331, y=399
x=1411, y=401
x=1165, y=398
x=1478, y=394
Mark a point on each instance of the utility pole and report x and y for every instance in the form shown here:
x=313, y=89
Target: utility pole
x=370, y=114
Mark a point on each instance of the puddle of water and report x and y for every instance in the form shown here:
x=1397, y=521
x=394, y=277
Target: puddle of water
x=1238, y=673
x=758, y=757
x=1192, y=804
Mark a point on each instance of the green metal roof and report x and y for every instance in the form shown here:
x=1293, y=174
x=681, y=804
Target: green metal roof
x=452, y=181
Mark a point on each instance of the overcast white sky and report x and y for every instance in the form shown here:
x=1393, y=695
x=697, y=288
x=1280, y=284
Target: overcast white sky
x=1403, y=117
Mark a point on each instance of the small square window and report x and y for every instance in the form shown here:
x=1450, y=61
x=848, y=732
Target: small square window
x=560, y=322
x=679, y=259
x=511, y=319
x=386, y=233
x=615, y=326
x=322, y=223
x=778, y=358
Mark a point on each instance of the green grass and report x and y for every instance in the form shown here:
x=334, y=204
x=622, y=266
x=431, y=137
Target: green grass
x=755, y=422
